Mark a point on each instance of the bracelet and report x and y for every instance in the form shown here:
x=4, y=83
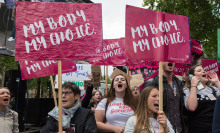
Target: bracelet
x=193, y=86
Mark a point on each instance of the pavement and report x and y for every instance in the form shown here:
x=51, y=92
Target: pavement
x=6, y=47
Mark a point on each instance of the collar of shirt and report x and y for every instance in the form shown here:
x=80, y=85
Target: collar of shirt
x=6, y=112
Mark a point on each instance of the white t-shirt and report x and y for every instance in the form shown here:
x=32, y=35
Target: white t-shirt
x=205, y=94
x=117, y=113
x=154, y=125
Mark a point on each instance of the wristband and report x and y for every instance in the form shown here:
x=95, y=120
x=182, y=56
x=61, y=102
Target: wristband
x=193, y=86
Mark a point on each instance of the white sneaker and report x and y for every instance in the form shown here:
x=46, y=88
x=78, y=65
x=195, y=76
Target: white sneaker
x=10, y=39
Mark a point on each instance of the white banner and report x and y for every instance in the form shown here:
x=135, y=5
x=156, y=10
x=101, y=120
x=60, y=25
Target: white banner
x=78, y=77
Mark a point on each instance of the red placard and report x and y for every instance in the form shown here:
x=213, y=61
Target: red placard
x=210, y=66
x=58, y=31
x=197, y=51
x=147, y=69
x=156, y=36
x=36, y=69
x=113, y=53
x=180, y=69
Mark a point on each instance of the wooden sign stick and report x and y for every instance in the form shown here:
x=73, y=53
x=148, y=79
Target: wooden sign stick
x=53, y=90
x=160, y=90
x=60, y=95
x=129, y=80
x=106, y=78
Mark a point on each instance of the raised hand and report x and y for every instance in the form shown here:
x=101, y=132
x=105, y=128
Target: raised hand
x=213, y=77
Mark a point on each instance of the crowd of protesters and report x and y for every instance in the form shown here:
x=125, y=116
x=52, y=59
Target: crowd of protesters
x=186, y=109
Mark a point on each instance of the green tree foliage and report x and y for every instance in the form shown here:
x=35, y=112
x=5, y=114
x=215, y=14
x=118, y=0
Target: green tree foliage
x=40, y=84
x=204, y=18
x=109, y=79
x=6, y=63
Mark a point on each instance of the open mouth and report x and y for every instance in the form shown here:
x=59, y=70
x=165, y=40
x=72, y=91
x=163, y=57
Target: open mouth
x=64, y=101
x=6, y=99
x=119, y=85
x=170, y=64
x=156, y=105
x=204, y=75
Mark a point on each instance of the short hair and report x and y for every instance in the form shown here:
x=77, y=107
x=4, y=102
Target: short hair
x=5, y=88
x=73, y=87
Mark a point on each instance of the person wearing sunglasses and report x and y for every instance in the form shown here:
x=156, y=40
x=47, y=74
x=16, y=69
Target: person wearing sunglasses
x=75, y=119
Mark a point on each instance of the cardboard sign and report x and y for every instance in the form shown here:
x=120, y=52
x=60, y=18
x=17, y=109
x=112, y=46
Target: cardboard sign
x=36, y=69
x=86, y=84
x=136, y=80
x=96, y=76
x=113, y=53
x=82, y=73
x=80, y=84
x=210, y=65
x=45, y=32
x=156, y=36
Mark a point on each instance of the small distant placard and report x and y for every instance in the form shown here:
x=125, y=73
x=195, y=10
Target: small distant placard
x=137, y=80
x=86, y=84
x=96, y=74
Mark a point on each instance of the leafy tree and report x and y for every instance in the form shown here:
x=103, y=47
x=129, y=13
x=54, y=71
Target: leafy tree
x=204, y=18
x=7, y=63
x=40, y=84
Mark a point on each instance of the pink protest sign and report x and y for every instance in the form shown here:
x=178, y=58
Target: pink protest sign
x=180, y=69
x=156, y=36
x=146, y=69
x=196, y=50
x=36, y=69
x=45, y=32
x=210, y=65
x=113, y=53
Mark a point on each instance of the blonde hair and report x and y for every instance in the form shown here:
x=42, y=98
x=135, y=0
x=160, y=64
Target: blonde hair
x=93, y=94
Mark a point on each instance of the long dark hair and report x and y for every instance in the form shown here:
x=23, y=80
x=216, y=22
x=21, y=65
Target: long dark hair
x=142, y=111
x=129, y=99
x=190, y=71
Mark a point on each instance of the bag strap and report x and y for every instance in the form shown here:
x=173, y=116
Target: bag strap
x=214, y=91
x=13, y=122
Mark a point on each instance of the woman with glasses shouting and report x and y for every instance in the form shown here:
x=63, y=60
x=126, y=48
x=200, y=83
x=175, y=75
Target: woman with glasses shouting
x=75, y=118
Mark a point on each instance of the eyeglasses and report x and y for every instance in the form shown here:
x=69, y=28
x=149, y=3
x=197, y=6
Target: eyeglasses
x=66, y=93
